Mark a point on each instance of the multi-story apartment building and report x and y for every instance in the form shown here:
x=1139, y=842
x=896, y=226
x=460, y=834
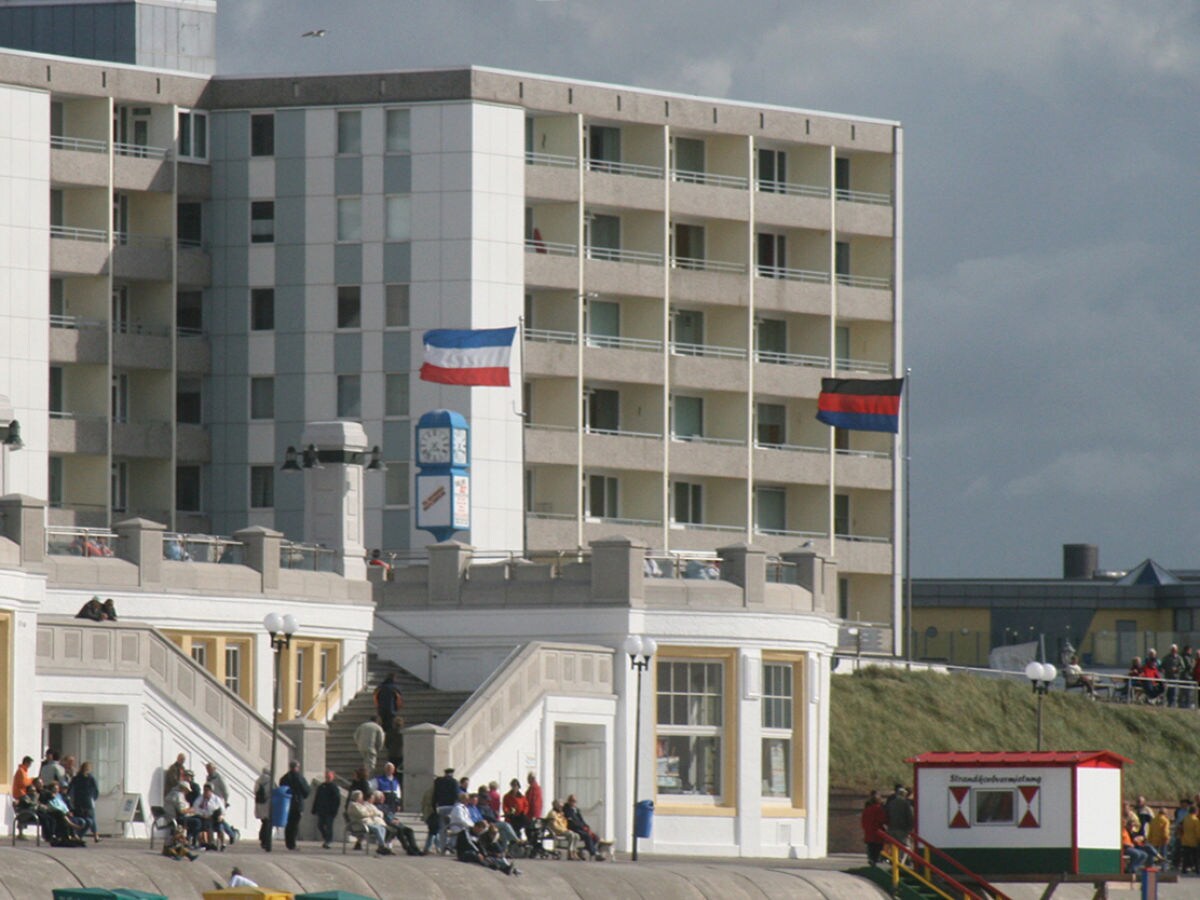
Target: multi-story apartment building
x=207, y=263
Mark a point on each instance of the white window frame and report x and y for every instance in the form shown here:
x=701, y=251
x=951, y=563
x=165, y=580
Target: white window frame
x=188, y=141
x=403, y=146
x=780, y=732
x=715, y=731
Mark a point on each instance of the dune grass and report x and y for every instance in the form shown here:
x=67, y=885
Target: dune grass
x=879, y=717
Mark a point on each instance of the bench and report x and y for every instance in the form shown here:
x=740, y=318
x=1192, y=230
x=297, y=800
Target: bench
x=22, y=819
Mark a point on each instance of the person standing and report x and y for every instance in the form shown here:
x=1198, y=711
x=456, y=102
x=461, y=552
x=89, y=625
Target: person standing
x=899, y=810
x=388, y=701
x=327, y=803
x=370, y=740
x=21, y=779
x=294, y=782
x=874, y=818
x=84, y=792
x=262, y=809
x=533, y=796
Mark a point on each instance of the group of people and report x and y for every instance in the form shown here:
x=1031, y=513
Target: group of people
x=1157, y=680
x=59, y=799
x=1169, y=839
x=197, y=811
x=893, y=817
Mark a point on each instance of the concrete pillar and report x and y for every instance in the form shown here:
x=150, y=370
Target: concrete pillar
x=140, y=541
x=333, y=494
x=426, y=756
x=308, y=738
x=818, y=575
x=24, y=523
x=448, y=563
x=746, y=566
x=618, y=570
x=262, y=553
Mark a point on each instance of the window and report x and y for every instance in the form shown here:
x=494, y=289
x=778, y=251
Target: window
x=770, y=510
x=395, y=302
x=395, y=402
x=187, y=488
x=993, y=807
x=841, y=514
x=771, y=250
x=262, y=309
x=687, y=502
x=687, y=330
x=119, y=484
x=349, y=396
x=398, y=215
x=301, y=657
x=690, y=718
x=602, y=410
x=603, y=236
x=771, y=339
x=189, y=312
x=777, y=707
x=397, y=131
x=841, y=177
x=120, y=397
x=689, y=246
x=189, y=218
x=233, y=667
x=689, y=159
x=688, y=421
x=844, y=598
x=262, y=398
x=769, y=426
x=772, y=171
x=349, y=132
x=603, y=321
x=604, y=147
x=200, y=653
x=56, y=390
x=841, y=346
x=55, y=487
x=262, y=134
x=349, y=219
x=842, y=259
x=58, y=297
x=396, y=484
x=601, y=500
x=349, y=306
x=189, y=407
x=193, y=135
x=262, y=221
x=262, y=487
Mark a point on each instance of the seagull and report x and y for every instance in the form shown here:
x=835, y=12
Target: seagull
x=316, y=32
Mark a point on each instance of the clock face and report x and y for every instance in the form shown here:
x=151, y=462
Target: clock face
x=460, y=448
x=433, y=445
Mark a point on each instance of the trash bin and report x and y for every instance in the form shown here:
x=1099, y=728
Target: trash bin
x=643, y=818
x=1150, y=883
x=281, y=804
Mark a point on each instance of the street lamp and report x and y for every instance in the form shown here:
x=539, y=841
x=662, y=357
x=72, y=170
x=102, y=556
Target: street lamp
x=1040, y=675
x=640, y=649
x=281, y=629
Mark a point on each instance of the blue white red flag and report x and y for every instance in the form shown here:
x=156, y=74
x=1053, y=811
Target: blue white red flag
x=472, y=357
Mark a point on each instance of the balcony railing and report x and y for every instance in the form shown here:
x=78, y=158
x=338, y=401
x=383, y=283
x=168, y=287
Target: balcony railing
x=549, y=513
x=622, y=343
x=550, y=248
x=864, y=538
x=203, y=548
x=185, y=331
x=549, y=336
x=80, y=541
x=621, y=520
x=308, y=557
x=70, y=415
x=120, y=326
x=74, y=322
x=808, y=275
x=620, y=432
x=786, y=532
x=708, y=439
x=871, y=197
x=69, y=233
x=865, y=281
x=621, y=168
x=869, y=454
x=687, y=176
x=136, y=239
x=707, y=265
x=550, y=159
x=546, y=426
x=800, y=448
x=711, y=351
x=86, y=145
x=862, y=365
x=618, y=254
x=791, y=359
x=792, y=189
x=140, y=151
x=708, y=526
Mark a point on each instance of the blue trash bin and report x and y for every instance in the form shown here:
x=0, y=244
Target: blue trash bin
x=281, y=804
x=643, y=818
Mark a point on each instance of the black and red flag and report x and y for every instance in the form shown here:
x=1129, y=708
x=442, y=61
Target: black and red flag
x=861, y=404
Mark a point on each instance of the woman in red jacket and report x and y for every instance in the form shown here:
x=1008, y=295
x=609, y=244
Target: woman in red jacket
x=516, y=808
x=874, y=817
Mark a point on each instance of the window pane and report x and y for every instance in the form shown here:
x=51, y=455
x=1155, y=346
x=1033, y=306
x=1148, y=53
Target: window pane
x=396, y=484
x=398, y=123
x=188, y=401
x=772, y=336
x=185, y=134
x=604, y=232
x=776, y=767
x=349, y=219
x=262, y=487
x=199, y=135
x=262, y=309
x=696, y=692
x=233, y=668
x=349, y=396
x=770, y=509
x=689, y=764
x=396, y=395
x=689, y=155
x=396, y=303
x=689, y=417
x=189, y=311
x=189, y=222
x=187, y=488
x=262, y=398
x=769, y=428
x=262, y=222
x=349, y=132
x=777, y=695
x=262, y=135
x=399, y=217
x=349, y=306
x=841, y=514
x=603, y=318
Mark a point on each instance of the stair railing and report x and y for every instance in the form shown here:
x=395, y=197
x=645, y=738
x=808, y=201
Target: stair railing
x=920, y=867
x=358, y=659
x=431, y=651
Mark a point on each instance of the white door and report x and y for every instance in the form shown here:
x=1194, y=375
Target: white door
x=104, y=748
x=579, y=770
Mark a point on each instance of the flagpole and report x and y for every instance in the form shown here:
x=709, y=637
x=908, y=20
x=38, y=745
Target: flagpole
x=908, y=623
x=526, y=502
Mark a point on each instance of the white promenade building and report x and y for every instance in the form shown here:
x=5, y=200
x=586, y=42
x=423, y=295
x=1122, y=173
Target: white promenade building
x=196, y=268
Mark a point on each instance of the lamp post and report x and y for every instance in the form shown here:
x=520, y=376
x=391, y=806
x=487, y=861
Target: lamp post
x=281, y=629
x=640, y=649
x=1040, y=675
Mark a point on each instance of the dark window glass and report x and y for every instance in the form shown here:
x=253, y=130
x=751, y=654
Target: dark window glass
x=262, y=135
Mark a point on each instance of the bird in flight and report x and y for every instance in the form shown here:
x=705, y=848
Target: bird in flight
x=316, y=32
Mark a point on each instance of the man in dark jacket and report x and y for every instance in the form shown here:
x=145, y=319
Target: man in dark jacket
x=388, y=701
x=295, y=783
x=900, y=819
x=445, y=795
x=326, y=805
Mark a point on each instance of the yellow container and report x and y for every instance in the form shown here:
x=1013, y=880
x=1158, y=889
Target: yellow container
x=248, y=893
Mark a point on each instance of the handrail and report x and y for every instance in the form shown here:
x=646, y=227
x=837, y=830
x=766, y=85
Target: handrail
x=74, y=322
x=140, y=150
x=551, y=248
x=943, y=855
x=322, y=695
x=679, y=348
x=790, y=359
x=618, y=254
x=864, y=281
x=862, y=365
x=894, y=848
x=533, y=158
x=812, y=276
x=432, y=650
x=790, y=188
x=621, y=343
x=70, y=233
x=698, y=264
x=621, y=168
x=872, y=197
x=691, y=176
x=87, y=145
x=550, y=336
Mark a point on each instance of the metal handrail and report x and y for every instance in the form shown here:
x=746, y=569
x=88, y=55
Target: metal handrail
x=707, y=265
x=785, y=532
x=768, y=186
x=864, y=538
x=545, y=426
x=120, y=326
x=78, y=234
x=87, y=145
x=136, y=239
x=361, y=658
x=767, y=445
x=622, y=343
x=74, y=322
x=710, y=526
x=689, y=176
x=431, y=650
x=618, y=254
x=791, y=359
x=864, y=281
x=550, y=248
x=550, y=336
x=618, y=520
x=679, y=348
x=622, y=168
x=811, y=276
x=872, y=197
x=550, y=159
x=617, y=432
x=706, y=439
x=862, y=365
x=140, y=150
x=872, y=454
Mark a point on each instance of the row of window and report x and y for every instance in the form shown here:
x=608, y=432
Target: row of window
x=396, y=132
x=262, y=485
x=397, y=219
x=349, y=307
x=349, y=396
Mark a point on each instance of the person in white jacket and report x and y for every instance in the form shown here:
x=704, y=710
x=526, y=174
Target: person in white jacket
x=370, y=741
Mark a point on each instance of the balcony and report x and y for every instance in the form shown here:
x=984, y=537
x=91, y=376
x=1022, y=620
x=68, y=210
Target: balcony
x=608, y=167
x=870, y=469
x=78, y=251
x=709, y=281
x=549, y=176
x=193, y=353
x=792, y=205
x=706, y=367
x=193, y=267
x=791, y=464
x=78, y=161
x=74, y=339
x=142, y=257
x=622, y=449
x=623, y=358
x=808, y=276
x=551, y=264
x=623, y=255
x=698, y=455
x=192, y=444
x=709, y=194
x=140, y=346
x=550, y=444
x=80, y=433
x=692, y=264
x=142, y=440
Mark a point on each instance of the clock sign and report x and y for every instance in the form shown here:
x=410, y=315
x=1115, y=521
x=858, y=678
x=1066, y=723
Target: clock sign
x=443, y=480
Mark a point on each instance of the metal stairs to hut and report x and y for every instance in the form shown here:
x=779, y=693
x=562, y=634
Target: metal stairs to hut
x=422, y=704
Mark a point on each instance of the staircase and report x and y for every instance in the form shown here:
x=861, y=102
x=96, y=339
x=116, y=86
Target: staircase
x=422, y=703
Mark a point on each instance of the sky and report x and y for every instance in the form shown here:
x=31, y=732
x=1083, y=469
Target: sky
x=1052, y=198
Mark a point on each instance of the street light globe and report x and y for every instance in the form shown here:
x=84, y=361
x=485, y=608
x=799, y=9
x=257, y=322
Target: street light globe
x=273, y=622
x=1049, y=673
x=1034, y=671
x=649, y=646
x=290, y=625
x=633, y=645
